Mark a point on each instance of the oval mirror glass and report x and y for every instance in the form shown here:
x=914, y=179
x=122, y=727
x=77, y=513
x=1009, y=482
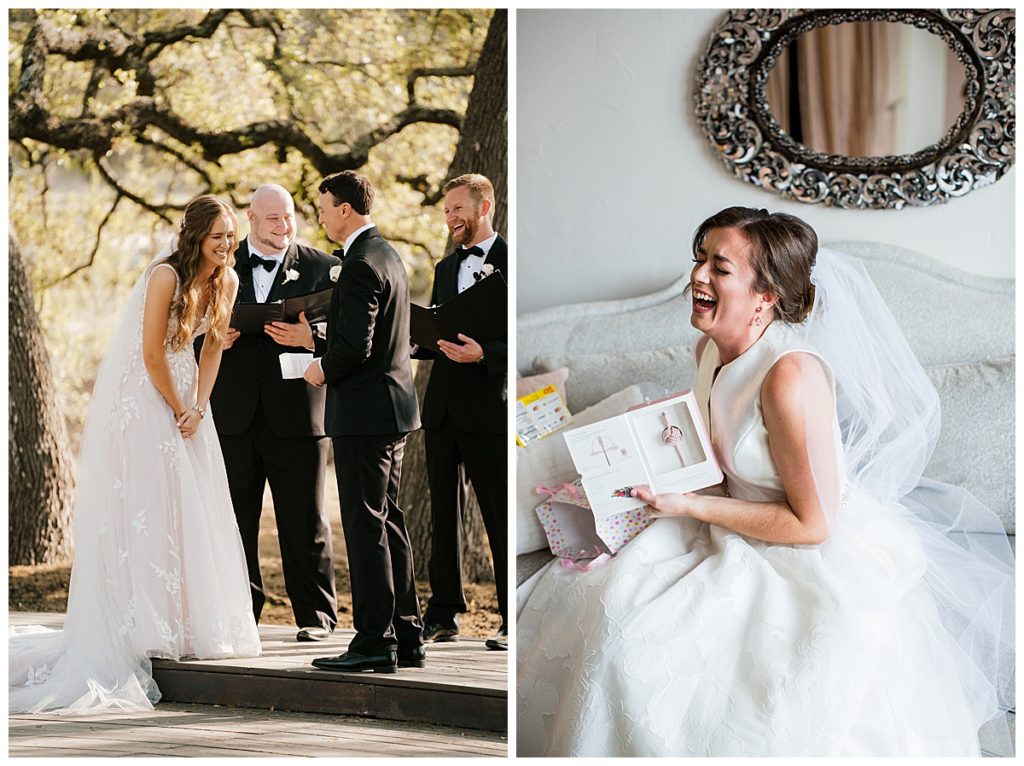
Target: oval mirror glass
x=867, y=89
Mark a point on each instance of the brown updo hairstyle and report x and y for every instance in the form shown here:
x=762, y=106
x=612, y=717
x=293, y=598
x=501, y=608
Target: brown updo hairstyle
x=199, y=216
x=783, y=250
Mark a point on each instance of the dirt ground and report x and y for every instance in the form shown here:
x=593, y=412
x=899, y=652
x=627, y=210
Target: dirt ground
x=45, y=588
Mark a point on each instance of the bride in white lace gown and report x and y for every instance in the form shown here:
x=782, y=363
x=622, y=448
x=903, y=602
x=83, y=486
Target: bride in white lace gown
x=833, y=603
x=158, y=566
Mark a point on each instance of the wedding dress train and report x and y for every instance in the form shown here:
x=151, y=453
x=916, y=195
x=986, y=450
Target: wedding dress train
x=158, y=565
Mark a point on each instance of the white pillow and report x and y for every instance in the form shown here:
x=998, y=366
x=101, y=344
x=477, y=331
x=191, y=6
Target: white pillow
x=592, y=377
x=548, y=462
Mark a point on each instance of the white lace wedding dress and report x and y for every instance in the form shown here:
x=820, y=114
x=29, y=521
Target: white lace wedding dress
x=697, y=641
x=158, y=565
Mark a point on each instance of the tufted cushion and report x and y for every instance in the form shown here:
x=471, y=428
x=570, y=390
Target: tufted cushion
x=976, y=445
x=592, y=377
x=548, y=462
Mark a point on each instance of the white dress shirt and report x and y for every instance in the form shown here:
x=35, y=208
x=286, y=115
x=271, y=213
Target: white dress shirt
x=473, y=263
x=263, y=280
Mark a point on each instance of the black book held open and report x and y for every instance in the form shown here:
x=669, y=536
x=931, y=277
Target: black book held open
x=250, y=317
x=480, y=312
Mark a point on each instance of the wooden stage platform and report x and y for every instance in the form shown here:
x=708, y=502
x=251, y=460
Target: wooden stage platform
x=463, y=685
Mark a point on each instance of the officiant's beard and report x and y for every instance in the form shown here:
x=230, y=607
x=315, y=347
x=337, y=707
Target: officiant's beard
x=267, y=246
x=470, y=226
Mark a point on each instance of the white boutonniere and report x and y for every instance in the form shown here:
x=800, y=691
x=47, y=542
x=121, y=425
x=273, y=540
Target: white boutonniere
x=485, y=271
x=335, y=272
x=290, y=276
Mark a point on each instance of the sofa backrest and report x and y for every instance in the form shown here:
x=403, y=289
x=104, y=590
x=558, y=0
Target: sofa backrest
x=960, y=325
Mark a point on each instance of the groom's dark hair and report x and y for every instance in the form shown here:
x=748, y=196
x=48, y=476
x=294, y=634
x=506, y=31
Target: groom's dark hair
x=348, y=186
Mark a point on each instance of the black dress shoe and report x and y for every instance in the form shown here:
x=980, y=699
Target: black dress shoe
x=413, y=658
x=499, y=640
x=433, y=631
x=314, y=633
x=353, y=662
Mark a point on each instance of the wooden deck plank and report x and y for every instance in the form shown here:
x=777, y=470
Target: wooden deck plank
x=198, y=730
x=463, y=685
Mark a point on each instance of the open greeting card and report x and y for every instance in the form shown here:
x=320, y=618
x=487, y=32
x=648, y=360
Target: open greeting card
x=661, y=444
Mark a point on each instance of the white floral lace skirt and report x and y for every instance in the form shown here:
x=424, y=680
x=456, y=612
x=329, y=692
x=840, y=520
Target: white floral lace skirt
x=695, y=641
x=158, y=570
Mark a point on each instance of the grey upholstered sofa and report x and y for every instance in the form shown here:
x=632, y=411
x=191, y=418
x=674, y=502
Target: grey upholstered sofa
x=961, y=327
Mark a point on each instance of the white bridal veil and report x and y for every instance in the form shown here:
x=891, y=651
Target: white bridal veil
x=91, y=665
x=888, y=413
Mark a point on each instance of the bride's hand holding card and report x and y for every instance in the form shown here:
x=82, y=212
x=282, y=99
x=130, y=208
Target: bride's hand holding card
x=662, y=444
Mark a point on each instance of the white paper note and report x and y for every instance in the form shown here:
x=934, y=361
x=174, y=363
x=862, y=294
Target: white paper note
x=294, y=365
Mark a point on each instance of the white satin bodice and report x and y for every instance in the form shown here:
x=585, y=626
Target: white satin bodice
x=731, y=407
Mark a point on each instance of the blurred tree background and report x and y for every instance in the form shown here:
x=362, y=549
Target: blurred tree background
x=119, y=117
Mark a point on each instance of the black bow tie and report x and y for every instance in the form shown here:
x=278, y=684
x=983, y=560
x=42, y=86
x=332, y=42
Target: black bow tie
x=339, y=254
x=267, y=263
x=465, y=252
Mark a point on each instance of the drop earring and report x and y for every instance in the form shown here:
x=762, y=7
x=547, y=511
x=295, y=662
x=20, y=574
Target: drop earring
x=756, y=321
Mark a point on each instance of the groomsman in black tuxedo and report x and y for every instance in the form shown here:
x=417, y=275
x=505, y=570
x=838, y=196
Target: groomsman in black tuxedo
x=465, y=417
x=371, y=407
x=271, y=428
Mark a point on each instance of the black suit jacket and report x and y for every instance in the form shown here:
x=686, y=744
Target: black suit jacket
x=250, y=371
x=367, y=366
x=472, y=395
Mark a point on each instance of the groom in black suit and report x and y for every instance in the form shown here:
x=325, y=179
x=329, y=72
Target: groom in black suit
x=371, y=407
x=271, y=428
x=465, y=417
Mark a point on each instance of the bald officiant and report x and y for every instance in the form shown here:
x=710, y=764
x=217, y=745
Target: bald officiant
x=271, y=428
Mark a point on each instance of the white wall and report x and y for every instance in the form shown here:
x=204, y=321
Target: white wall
x=614, y=174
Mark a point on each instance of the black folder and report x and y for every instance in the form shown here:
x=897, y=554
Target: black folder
x=250, y=317
x=480, y=312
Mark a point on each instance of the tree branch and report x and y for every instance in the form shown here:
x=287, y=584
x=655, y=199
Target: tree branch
x=95, y=78
x=363, y=69
x=160, y=210
x=359, y=153
x=98, y=134
x=95, y=248
x=448, y=71
x=431, y=194
x=29, y=117
x=180, y=156
x=108, y=45
x=391, y=237
x=33, y=70
x=266, y=20
x=204, y=29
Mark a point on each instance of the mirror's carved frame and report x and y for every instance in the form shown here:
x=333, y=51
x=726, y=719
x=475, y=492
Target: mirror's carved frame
x=734, y=115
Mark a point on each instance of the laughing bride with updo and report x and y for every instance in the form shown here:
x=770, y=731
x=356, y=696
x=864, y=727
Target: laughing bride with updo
x=827, y=601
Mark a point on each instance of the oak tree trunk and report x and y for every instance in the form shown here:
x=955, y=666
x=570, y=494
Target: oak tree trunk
x=40, y=485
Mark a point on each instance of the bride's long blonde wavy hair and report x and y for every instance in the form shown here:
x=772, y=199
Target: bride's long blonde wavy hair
x=196, y=223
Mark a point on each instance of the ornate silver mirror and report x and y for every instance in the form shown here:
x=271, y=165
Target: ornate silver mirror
x=872, y=108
